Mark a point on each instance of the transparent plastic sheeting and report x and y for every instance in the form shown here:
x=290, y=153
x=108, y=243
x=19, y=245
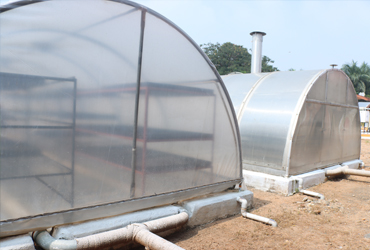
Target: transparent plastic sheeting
x=295, y=122
x=69, y=74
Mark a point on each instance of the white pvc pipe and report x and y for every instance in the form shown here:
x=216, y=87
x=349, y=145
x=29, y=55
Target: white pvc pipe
x=362, y=164
x=307, y=192
x=345, y=170
x=244, y=213
x=257, y=39
x=140, y=233
x=311, y=193
x=153, y=241
x=46, y=241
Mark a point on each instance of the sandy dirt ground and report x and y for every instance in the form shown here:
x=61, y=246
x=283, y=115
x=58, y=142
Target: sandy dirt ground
x=341, y=221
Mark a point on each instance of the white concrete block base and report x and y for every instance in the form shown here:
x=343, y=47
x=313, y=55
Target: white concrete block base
x=201, y=211
x=289, y=186
x=21, y=242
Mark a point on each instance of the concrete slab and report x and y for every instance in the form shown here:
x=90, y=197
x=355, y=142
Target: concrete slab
x=22, y=242
x=69, y=232
x=289, y=186
x=312, y=178
x=352, y=164
x=202, y=211
x=267, y=182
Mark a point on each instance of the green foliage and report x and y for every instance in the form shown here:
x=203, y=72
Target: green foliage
x=230, y=57
x=266, y=67
x=359, y=75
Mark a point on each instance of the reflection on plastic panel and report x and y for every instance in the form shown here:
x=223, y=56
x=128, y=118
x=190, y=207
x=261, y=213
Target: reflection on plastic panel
x=308, y=139
x=318, y=89
x=67, y=109
x=337, y=87
x=265, y=123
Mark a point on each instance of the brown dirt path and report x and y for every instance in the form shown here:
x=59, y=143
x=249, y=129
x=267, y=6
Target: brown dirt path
x=342, y=221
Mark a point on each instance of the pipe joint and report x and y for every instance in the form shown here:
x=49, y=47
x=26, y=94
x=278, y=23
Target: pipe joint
x=307, y=192
x=244, y=204
x=244, y=213
x=142, y=233
x=46, y=241
x=345, y=170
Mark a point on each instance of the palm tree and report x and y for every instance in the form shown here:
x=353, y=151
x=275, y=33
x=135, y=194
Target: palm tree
x=360, y=76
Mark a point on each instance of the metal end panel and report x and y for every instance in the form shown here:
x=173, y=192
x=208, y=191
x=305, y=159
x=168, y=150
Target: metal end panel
x=326, y=132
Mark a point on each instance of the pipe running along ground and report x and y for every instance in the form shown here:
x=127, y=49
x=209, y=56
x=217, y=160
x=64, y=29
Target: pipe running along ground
x=345, y=170
x=142, y=233
x=244, y=213
x=307, y=192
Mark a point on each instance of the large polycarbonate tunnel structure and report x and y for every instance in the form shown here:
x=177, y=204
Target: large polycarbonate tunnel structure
x=106, y=107
x=295, y=122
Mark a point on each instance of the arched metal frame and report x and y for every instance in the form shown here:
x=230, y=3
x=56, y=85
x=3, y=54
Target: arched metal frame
x=242, y=89
x=20, y=225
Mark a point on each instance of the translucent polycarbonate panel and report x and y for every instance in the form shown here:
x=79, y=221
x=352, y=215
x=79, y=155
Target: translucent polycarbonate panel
x=333, y=136
x=318, y=89
x=336, y=87
x=69, y=72
x=267, y=117
x=351, y=95
x=71, y=47
x=169, y=56
x=308, y=139
x=239, y=86
x=67, y=111
x=36, y=101
x=103, y=149
x=352, y=135
x=187, y=134
x=326, y=134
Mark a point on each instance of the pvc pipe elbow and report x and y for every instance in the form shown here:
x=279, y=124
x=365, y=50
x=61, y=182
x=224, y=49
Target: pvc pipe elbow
x=244, y=204
x=273, y=223
x=362, y=164
x=244, y=213
x=47, y=242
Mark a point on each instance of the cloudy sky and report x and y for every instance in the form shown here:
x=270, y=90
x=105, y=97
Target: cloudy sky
x=300, y=34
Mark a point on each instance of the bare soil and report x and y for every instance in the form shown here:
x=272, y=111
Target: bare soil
x=341, y=221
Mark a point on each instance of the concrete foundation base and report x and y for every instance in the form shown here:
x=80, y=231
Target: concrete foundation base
x=289, y=186
x=201, y=211
x=22, y=242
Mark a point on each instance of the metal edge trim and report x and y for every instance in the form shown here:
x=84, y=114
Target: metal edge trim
x=294, y=121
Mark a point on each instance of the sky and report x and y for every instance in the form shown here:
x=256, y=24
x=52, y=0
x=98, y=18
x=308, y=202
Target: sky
x=303, y=35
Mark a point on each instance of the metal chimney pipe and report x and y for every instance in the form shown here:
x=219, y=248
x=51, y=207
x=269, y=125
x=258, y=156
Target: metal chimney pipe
x=257, y=38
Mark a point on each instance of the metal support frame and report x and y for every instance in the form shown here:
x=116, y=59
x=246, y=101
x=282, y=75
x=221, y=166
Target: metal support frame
x=140, y=60
x=72, y=127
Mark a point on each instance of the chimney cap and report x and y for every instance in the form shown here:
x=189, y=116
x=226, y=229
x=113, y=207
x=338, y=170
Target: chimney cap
x=257, y=32
x=333, y=65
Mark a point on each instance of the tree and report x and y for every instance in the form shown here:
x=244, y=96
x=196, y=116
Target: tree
x=266, y=67
x=230, y=57
x=360, y=76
